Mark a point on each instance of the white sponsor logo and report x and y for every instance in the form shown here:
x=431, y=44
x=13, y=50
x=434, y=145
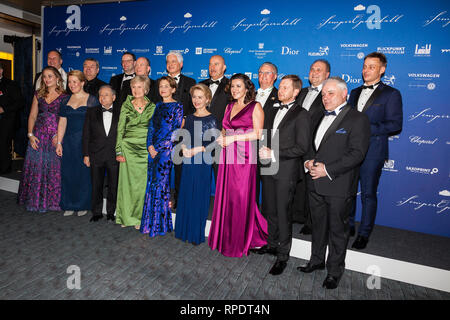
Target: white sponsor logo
x=230, y=51
x=431, y=117
x=423, y=51
x=286, y=51
x=389, y=165
x=444, y=193
x=199, y=50
x=141, y=50
x=260, y=53
x=389, y=80
x=349, y=79
x=445, y=50
x=204, y=73
x=123, y=50
x=373, y=21
x=431, y=86
x=441, y=206
x=354, y=46
x=187, y=26
x=108, y=68
x=73, y=21
x=264, y=24
x=92, y=50
x=391, y=50
x=422, y=170
x=109, y=30
x=107, y=50
x=424, y=75
x=419, y=140
x=323, y=51
x=438, y=18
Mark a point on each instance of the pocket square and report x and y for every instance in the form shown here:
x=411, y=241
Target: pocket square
x=341, y=130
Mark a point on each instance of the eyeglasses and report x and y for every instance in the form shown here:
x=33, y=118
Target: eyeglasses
x=265, y=73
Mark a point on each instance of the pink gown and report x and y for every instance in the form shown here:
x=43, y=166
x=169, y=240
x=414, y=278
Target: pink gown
x=237, y=225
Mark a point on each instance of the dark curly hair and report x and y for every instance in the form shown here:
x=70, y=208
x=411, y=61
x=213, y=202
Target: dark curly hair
x=251, y=93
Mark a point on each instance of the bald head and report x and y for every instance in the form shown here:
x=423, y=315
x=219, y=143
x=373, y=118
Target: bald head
x=217, y=67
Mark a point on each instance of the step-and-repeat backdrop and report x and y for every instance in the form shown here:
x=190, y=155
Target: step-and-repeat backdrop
x=414, y=191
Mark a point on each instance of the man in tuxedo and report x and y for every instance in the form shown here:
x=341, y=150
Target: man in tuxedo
x=338, y=148
x=10, y=103
x=383, y=105
x=174, y=64
x=217, y=83
x=54, y=59
x=142, y=68
x=99, y=151
x=91, y=69
x=310, y=98
x=287, y=141
x=266, y=95
x=117, y=81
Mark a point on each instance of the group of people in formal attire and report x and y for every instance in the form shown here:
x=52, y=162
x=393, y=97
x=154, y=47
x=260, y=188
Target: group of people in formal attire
x=307, y=148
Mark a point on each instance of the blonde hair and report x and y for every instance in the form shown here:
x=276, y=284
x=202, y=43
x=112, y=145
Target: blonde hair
x=142, y=79
x=205, y=89
x=43, y=90
x=77, y=73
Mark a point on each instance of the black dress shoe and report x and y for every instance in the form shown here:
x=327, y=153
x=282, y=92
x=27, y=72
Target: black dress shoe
x=330, y=282
x=310, y=268
x=352, y=231
x=264, y=249
x=306, y=230
x=110, y=217
x=360, y=242
x=278, y=268
x=96, y=218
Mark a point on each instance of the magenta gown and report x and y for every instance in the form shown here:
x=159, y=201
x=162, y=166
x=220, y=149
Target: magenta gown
x=237, y=225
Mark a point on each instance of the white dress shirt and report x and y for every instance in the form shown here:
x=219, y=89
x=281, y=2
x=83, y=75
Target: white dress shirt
x=365, y=96
x=177, y=78
x=262, y=95
x=311, y=96
x=107, y=119
x=214, y=86
x=276, y=122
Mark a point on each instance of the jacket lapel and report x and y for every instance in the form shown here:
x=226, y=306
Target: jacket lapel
x=288, y=115
x=374, y=95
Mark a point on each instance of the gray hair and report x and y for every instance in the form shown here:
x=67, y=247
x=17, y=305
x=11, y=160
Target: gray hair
x=107, y=86
x=341, y=84
x=270, y=64
x=176, y=54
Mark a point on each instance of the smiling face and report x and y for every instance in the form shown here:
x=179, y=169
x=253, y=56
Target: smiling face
x=106, y=97
x=332, y=95
x=75, y=85
x=172, y=65
x=138, y=89
x=238, y=89
x=286, y=91
x=199, y=99
x=266, y=76
x=165, y=90
x=49, y=78
x=318, y=73
x=373, y=69
x=128, y=63
x=90, y=69
x=54, y=60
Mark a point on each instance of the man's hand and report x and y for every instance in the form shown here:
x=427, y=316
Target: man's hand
x=265, y=153
x=86, y=161
x=318, y=171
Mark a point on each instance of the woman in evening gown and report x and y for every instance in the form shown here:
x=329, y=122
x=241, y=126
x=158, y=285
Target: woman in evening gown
x=237, y=225
x=195, y=186
x=156, y=215
x=131, y=152
x=40, y=186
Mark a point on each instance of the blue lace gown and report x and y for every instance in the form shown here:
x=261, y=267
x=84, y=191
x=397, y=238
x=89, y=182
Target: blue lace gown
x=76, y=188
x=156, y=215
x=195, y=184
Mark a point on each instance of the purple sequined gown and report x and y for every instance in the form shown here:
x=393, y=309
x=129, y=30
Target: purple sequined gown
x=40, y=186
x=236, y=224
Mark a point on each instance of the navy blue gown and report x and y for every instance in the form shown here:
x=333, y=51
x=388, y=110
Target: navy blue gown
x=156, y=215
x=76, y=185
x=195, y=184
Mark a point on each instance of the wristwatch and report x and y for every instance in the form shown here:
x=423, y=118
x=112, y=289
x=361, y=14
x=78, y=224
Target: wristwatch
x=30, y=135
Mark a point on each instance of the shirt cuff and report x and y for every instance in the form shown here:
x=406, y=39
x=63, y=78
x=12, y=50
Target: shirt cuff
x=325, y=168
x=272, y=155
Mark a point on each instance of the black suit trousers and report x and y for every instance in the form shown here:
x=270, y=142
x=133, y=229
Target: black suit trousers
x=98, y=177
x=277, y=200
x=330, y=227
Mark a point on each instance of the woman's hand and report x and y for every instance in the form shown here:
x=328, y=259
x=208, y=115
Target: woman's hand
x=120, y=158
x=59, y=149
x=152, y=152
x=224, y=141
x=34, y=142
x=187, y=153
x=55, y=140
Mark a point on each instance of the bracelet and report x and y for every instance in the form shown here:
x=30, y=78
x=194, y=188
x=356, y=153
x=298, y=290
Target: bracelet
x=59, y=142
x=29, y=135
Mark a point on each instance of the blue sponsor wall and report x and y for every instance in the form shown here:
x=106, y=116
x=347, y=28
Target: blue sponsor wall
x=414, y=190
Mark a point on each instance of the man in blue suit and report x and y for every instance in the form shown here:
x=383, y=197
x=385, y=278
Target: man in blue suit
x=383, y=105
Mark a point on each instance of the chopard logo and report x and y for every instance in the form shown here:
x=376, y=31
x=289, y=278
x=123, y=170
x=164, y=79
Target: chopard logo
x=171, y=28
x=122, y=28
x=419, y=140
x=264, y=24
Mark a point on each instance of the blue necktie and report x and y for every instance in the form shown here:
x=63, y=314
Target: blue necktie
x=330, y=113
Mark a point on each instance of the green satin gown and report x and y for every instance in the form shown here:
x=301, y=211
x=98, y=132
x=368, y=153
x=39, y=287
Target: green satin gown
x=132, y=144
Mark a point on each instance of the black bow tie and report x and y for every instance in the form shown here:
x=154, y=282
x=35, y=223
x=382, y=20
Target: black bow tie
x=313, y=89
x=282, y=106
x=107, y=110
x=372, y=86
x=211, y=81
x=175, y=78
x=330, y=113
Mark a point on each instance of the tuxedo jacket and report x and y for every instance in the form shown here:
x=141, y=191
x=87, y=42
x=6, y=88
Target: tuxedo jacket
x=183, y=95
x=291, y=141
x=316, y=110
x=93, y=86
x=96, y=144
x=342, y=150
x=385, y=112
x=219, y=101
x=116, y=82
